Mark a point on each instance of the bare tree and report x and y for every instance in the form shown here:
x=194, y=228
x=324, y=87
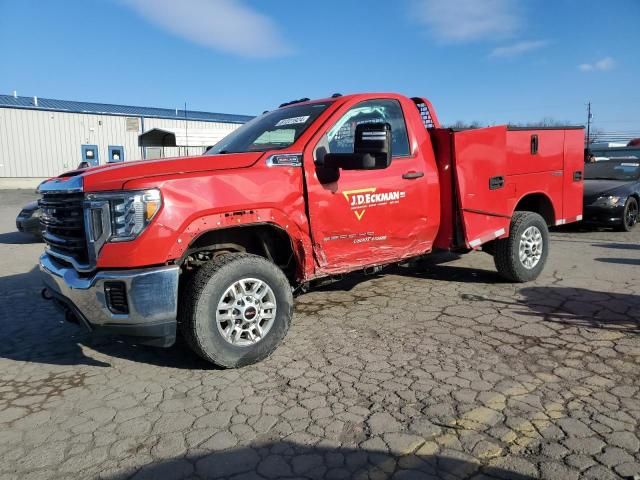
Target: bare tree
x=545, y=122
x=462, y=125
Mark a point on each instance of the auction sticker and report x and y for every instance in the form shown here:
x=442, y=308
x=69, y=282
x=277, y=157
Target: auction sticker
x=292, y=121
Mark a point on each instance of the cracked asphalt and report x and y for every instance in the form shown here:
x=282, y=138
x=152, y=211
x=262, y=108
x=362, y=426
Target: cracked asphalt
x=439, y=370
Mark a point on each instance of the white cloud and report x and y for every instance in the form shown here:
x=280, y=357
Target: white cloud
x=517, y=49
x=468, y=20
x=225, y=25
x=606, y=63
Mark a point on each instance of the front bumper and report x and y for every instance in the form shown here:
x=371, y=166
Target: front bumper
x=608, y=216
x=152, y=296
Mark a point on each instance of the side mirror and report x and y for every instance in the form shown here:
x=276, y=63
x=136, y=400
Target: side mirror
x=371, y=149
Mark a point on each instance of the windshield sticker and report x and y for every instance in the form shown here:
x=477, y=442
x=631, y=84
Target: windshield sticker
x=292, y=121
x=361, y=200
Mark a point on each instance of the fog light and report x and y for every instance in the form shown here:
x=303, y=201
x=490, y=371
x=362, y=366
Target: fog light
x=116, y=295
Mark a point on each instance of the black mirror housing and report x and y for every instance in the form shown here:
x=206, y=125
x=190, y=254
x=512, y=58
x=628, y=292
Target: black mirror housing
x=371, y=149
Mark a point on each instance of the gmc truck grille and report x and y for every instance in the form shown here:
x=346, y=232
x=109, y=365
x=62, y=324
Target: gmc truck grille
x=62, y=222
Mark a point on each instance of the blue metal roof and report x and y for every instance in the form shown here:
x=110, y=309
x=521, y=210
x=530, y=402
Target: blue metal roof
x=109, y=109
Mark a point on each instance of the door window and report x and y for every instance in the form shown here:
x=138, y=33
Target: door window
x=340, y=138
x=90, y=155
x=116, y=154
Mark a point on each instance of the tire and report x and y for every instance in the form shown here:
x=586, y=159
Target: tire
x=526, y=227
x=216, y=302
x=630, y=215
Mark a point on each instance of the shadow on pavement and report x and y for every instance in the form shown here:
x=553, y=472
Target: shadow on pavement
x=583, y=307
x=576, y=306
x=18, y=238
x=34, y=330
x=618, y=246
x=275, y=460
x=619, y=261
x=451, y=273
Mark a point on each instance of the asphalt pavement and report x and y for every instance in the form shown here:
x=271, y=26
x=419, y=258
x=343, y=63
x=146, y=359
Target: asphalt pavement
x=438, y=370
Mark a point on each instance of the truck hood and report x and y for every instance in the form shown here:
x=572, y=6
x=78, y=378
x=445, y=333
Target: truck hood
x=114, y=176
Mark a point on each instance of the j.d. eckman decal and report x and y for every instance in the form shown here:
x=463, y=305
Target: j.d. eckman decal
x=363, y=199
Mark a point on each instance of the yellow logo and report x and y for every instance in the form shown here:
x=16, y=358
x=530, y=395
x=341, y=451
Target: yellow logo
x=360, y=200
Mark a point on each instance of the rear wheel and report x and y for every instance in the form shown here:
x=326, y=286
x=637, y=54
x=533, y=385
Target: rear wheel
x=630, y=216
x=236, y=310
x=521, y=257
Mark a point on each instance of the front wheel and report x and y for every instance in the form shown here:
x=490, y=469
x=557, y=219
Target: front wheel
x=236, y=310
x=522, y=256
x=630, y=216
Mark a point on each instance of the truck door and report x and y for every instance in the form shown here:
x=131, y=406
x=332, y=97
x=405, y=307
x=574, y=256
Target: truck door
x=483, y=186
x=573, y=175
x=366, y=217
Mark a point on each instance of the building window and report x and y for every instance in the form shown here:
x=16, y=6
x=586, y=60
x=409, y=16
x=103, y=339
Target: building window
x=133, y=124
x=116, y=153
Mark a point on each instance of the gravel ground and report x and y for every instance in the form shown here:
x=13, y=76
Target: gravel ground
x=441, y=370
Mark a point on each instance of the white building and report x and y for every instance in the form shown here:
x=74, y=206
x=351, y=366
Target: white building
x=42, y=137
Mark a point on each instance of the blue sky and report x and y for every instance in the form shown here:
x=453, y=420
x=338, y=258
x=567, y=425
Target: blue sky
x=486, y=60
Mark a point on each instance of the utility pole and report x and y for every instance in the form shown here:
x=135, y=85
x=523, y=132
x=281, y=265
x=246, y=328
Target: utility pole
x=589, y=116
x=186, y=129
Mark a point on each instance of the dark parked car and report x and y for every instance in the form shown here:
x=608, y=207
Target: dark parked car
x=28, y=220
x=612, y=193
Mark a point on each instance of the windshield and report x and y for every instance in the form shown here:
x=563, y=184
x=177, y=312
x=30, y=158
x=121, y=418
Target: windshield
x=618, y=153
x=612, y=170
x=271, y=131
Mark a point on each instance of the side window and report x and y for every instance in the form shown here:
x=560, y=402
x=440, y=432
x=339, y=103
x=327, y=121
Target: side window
x=340, y=138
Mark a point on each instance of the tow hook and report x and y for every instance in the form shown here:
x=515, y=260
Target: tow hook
x=46, y=294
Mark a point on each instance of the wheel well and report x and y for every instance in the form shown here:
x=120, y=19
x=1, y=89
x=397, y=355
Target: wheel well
x=540, y=204
x=268, y=241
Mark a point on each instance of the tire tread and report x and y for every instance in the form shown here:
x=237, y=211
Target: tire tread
x=503, y=257
x=191, y=294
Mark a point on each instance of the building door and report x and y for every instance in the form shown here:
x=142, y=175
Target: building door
x=116, y=154
x=90, y=155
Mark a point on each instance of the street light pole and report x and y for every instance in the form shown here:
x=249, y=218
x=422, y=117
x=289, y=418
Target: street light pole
x=588, y=124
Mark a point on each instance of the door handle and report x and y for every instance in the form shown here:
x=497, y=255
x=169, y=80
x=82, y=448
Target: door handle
x=412, y=175
x=496, y=182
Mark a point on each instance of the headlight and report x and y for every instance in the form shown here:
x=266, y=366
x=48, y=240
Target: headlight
x=607, y=201
x=129, y=212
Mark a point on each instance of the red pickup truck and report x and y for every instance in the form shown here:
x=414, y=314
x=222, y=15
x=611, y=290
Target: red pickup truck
x=214, y=246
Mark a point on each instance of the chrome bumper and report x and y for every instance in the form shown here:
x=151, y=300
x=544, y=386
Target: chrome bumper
x=152, y=296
